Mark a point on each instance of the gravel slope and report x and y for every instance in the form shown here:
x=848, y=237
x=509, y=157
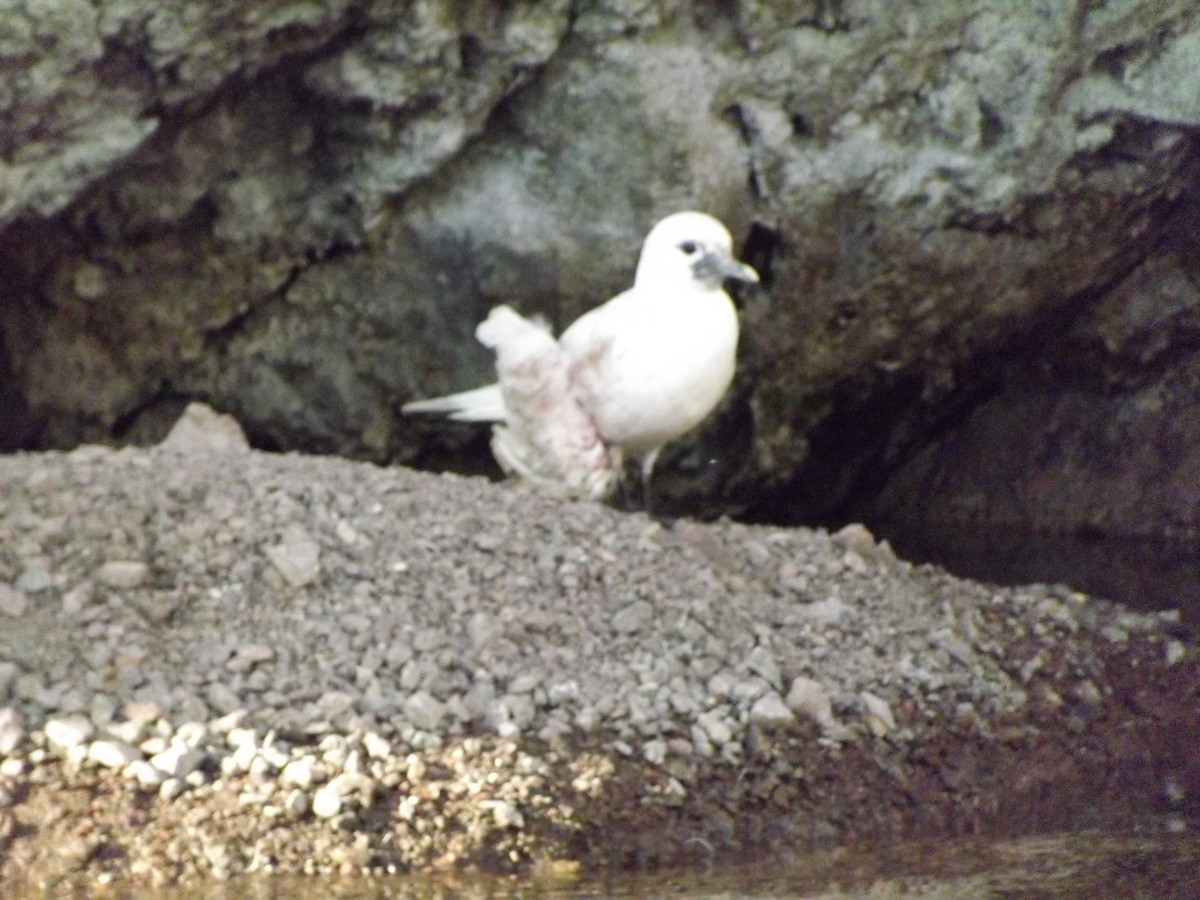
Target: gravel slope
x=382, y=668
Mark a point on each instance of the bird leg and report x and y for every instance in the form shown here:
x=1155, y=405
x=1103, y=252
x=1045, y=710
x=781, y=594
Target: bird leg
x=647, y=468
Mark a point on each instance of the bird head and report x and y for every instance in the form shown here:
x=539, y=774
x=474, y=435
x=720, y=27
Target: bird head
x=690, y=246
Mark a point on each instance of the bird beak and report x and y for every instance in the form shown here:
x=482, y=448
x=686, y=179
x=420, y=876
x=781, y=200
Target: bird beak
x=742, y=272
x=720, y=266
x=739, y=271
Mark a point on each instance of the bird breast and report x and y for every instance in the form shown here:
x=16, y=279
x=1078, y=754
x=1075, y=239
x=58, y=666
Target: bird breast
x=646, y=385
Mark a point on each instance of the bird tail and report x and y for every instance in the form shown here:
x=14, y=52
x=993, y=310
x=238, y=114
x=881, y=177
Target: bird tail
x=485, y=404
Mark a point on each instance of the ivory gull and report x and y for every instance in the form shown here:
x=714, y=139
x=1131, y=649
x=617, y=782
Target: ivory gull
x=625, y=379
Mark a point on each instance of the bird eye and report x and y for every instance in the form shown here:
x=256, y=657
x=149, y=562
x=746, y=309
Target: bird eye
x=688, y=247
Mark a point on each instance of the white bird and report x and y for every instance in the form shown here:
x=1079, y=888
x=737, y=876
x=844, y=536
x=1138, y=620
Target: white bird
x=625, y=379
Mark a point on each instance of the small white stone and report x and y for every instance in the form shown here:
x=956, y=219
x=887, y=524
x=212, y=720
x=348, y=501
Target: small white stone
x=123, y=574
x=142, y=711
x=1175, y=652
x=655, y=752
x=12, y=602
x=12, y=730
x=525, y=683
x=302, y=773
x=353, y=784
x=145, y=774
x=715, y=728
x=769, y=711
x=297, y=558
x=152, y=746
x=762, y=662
x=242, y=737
x=35, y=579
x=877, y=713
x=345, y=532
x=113, y=754
x=78, y=597
x=127, y=732
x=275, y=757
x=377, y=746
x=190, y=734
x=68, y=731
x=504, y=813
x=809, y=698
x=178, y=760
x=172, y=788
x=227, y=723
x=326, y=803
x=12, y=767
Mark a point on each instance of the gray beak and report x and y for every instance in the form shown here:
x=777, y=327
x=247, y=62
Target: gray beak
x=714, y=267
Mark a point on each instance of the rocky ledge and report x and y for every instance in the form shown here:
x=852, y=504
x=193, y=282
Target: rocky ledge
x=215, y=661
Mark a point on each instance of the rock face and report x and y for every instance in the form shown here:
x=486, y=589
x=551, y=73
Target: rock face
x=976, y=224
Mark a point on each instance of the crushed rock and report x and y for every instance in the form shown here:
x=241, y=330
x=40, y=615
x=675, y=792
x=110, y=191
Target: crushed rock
x=364, y=653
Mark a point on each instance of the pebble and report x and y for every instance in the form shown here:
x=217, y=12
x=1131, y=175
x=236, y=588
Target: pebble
x=77, y=598
x=342, y=791
x=145, y=773
x=326, y=803
x=377, y=747
x=8, y=674
x=878, y=714
x=297, y=803
x=68, y=732
x=126, y=732
x=172, y=788
x=504, y=814
x=143, y=712
x=716, y=728
x=247, y=656
x=113, y=754
x=302, y=773
x=633, y=617
x=655, y=752
x=762, y=662
x=809, y=698
x=123, y=574
x=12, y=730
x=178, y=760
x=35, y=579
x=12, y=601
x=1175, y=652
x=190, y=734
x=770, y=711
x=297, y=558
x=423, y=711
x=222, y=698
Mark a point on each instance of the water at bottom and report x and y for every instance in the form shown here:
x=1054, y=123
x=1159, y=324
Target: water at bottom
x=1085, y=864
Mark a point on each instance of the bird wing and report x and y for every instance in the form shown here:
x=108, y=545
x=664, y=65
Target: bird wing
x=547, y=437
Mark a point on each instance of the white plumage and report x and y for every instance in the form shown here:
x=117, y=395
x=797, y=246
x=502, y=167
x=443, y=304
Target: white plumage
x=626, y=378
